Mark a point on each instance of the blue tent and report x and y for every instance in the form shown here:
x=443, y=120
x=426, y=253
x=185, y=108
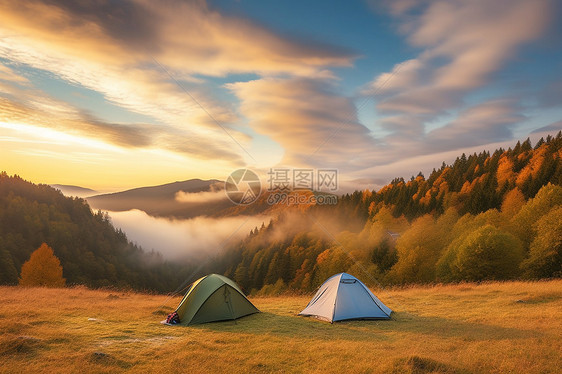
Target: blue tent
x=344, y=297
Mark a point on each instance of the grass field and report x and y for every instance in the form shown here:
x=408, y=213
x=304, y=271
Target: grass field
x=513, y=327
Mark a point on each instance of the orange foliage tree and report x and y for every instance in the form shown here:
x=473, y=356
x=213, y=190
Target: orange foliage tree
x=43, y=269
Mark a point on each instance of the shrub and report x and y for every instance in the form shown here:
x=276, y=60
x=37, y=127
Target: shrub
x=43, y=269
x=486, y=254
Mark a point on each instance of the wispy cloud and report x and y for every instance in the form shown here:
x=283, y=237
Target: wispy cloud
x=28, y=105
x=461, y=45
x=8, y=75
x=491, y=121
x=312, y=122
x=552, y=128
x=111, y=49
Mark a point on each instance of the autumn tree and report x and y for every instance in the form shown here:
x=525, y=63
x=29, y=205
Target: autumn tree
x=545, y=255
x=332, y=261
x=485, y=254
x=548, y=197
x=418, y=250
x=513, y=201
x=43, y=269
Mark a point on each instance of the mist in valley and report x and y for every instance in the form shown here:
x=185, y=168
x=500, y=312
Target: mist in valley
x=178, y=239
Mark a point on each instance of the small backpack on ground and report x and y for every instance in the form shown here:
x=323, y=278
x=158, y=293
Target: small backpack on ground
x=173, y=318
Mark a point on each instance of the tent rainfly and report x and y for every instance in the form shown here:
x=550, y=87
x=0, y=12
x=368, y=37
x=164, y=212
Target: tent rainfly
x=213, y=298
x=344, y=297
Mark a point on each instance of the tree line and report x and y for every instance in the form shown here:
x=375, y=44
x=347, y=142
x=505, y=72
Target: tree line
x=484, y=217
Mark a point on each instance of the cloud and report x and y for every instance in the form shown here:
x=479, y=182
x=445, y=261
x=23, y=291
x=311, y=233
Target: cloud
x=551, y=96
x=422, y=101
x=8, y=75
x=402, y=77
x=319, y=128
x=461, y=43
x=126, y=51
x=188, y=36
x=491, y=121
x=22, y=103
x=315, y=125
x=199, y=237
x=40, y=111
x=200, y=197
x=216, y=193
x=553, y=128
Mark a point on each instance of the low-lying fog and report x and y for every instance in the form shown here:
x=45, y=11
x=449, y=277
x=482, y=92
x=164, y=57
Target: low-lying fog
x=177, y=239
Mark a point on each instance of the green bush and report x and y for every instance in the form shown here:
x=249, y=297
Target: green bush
x=545, y=255
x=486, y=254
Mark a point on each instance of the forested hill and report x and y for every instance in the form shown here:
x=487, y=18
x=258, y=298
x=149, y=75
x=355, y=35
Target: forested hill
x=472, y=184
x=92, y=252
x=486, y=216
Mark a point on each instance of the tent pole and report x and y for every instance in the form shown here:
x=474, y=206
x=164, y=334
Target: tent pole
x=228, y=301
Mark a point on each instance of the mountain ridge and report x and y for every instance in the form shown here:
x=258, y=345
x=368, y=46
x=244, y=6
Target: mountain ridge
x=161, y=201
x=72, y=190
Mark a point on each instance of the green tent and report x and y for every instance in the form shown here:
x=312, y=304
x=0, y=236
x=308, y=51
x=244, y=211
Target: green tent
x=213, y=298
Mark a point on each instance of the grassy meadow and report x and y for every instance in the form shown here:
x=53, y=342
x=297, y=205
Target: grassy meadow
x=507, y=327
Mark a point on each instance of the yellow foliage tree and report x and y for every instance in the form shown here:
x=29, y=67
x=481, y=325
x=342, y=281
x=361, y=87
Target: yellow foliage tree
x=513, y=202
x=43, y=269
x=545, y=256
x=505, y=171
x=487, y=253
x=418, y=250
x=533, y=166
x=521, y=224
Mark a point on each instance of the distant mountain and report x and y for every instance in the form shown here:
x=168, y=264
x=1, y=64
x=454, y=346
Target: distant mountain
x=186, y=199
x=68, y=190
x=192, y=198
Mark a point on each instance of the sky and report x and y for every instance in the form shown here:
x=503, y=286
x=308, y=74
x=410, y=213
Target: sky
x=112, y=95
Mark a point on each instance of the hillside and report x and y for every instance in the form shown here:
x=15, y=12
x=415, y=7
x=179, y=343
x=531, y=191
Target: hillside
x=77, y=191
x=92, y=252
x=506, y=327
x=162, y=200
x=422, y=230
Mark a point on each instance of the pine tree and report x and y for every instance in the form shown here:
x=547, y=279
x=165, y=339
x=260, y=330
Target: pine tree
x=8, y=272
x=43, y=269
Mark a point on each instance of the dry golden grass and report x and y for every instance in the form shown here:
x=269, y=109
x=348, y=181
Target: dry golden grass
x=497, y=327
